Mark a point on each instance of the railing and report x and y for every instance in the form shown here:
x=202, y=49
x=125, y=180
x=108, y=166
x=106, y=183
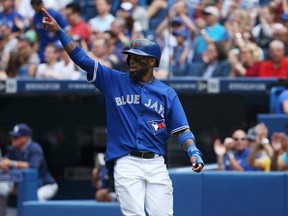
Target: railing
x=183, y=84
x=27, y=184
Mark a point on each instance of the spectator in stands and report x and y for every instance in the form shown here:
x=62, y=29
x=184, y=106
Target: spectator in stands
x=28, y=58
x=263, y=32
x=51, y=56
x=261, y=150
x=277, y=65
x=214, y=64
x=156, y=12
x=177, y=19
x=25, y=9
x=243, y=61
x=64, y=69
x=45, y=37
x=279, y=142
x=281, y=106
x=118, y=27
x=104, y=18
x=179, y=57
x=78, y=26
x=25, y=153
x=100, y=52
x=281, y=33
x=210, y=29
x=9, y=16
x=238, y=25
x=232, y=155
x=139, y=13
x=22, y=62
x=220, y=150
x=133, y=28
x=119, y=61
x=13, y=64
x=8, y=43
x=103, y=181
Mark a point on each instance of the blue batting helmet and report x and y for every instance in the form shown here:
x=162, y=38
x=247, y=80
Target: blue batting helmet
x=144, y=47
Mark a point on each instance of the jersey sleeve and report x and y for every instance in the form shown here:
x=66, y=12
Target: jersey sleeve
x=176, y=117
x=104, y=78
x=35, y=158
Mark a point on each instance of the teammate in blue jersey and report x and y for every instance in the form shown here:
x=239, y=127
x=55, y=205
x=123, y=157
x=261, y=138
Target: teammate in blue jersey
x=45, y=37
x=142, y=113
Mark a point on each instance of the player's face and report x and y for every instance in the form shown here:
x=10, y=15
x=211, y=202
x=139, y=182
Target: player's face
x=139, y=67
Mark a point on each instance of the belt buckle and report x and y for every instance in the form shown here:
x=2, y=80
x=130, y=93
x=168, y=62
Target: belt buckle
x=142, y=154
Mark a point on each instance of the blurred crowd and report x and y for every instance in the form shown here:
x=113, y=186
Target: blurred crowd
x=253, y=150
x=199, y=38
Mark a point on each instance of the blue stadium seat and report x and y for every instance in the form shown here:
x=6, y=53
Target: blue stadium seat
x=274, y=122
x=274, y=93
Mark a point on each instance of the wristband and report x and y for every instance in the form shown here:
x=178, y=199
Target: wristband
x=192, y=150
x=64, y=38
x=184, y=136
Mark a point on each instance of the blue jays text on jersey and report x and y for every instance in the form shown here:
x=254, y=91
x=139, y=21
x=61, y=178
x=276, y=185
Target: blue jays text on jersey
x=135, y=99
x=139, y=116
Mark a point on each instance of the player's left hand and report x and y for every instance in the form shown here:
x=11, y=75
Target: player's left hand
x=196, y=167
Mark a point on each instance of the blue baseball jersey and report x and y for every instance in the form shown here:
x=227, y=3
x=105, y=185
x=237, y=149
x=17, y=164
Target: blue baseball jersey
x=46, y=37
x=139, y=116
x=241, y=158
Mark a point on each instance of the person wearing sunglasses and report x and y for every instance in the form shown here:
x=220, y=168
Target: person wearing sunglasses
x=233, y=153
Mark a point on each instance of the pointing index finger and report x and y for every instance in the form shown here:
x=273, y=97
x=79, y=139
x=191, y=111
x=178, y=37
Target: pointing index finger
x=46, y=13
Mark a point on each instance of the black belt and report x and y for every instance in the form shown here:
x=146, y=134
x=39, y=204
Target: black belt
x=144, y=154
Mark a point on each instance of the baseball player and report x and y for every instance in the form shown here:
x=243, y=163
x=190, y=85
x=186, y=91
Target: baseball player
x=142, y=113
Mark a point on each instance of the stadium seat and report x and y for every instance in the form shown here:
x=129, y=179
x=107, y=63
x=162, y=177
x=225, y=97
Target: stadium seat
x=274, y=122
x=274, y=93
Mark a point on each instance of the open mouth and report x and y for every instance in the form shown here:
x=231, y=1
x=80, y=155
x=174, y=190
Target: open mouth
x=132, y=69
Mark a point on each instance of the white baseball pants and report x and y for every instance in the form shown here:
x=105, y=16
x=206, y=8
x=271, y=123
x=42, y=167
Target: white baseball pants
x=143, y=185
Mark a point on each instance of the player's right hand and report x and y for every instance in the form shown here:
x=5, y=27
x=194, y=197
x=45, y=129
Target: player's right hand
x=49, y=23
x=196, y=166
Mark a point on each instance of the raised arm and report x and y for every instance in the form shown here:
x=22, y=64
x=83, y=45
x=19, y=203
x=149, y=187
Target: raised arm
x=49, y=23
x=77, y=54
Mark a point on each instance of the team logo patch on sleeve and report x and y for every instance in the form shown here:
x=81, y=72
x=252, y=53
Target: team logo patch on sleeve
x=157, y=125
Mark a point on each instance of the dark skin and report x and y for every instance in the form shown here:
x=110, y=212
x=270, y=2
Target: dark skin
x=141, y=70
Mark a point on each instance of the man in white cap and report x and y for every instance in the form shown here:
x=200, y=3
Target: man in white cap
x=209, y=30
